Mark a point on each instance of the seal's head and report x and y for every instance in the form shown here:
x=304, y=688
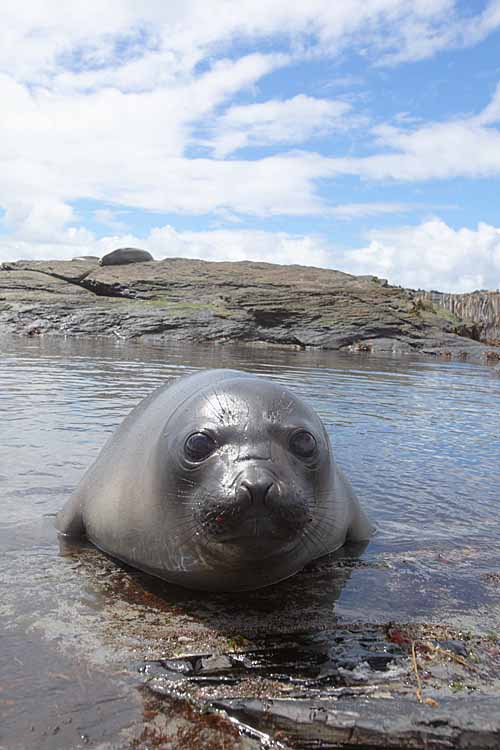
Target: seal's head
x=249, y=466
x=221, y=481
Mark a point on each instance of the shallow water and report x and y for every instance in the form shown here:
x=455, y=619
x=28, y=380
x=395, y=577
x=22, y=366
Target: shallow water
x=419, y=439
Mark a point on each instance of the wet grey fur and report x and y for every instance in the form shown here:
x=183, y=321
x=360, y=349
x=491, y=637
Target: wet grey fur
x=250, y=514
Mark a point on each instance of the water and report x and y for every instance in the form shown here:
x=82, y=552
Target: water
x=418, y=438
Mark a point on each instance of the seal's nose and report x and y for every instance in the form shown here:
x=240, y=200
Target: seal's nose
x=257, y=487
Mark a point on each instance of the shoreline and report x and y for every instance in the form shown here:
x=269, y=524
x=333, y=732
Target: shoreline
x=328, y=654
x=259, y=304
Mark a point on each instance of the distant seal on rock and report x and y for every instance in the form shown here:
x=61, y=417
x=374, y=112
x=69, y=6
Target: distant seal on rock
x=221, y=481
x=124, y=255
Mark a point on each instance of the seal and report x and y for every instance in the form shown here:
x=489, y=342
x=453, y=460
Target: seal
x=125, y=255
x=221, y=481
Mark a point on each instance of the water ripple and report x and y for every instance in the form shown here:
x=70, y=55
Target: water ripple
x=418, y=438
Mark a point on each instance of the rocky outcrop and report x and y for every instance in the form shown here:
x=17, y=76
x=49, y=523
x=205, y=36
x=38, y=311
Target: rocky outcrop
x=392, y=724
x=478, y=309
x=124, y=255
x=194, y=300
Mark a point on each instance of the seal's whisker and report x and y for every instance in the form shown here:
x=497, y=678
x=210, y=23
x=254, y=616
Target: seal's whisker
x=312, y=534
x=188, y=481
x=207, y=399
x=187, y=532
x=318, y=534
x=228, y=407
x=222, y=415
x=304, y=539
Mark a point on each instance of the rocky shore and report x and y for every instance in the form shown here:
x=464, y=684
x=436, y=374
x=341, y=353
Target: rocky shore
x=244, y=302
x=291, y=666
x=481, y=308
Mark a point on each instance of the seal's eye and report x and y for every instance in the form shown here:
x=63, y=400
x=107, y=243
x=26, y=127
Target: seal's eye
x=303, y=444
x=199, y=446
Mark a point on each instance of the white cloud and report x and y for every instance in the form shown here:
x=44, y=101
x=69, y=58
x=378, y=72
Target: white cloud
x=43, y=228
x=422, y=37
x=356, y=210
x=111, y=219
x=461, y=147
x=177, y=34
x=104, y=100
x=290, y=121
x=128, y=148
x=432, y=256
x=491, y=113
x=162, y=242
x=234, y=245
x=40, y=220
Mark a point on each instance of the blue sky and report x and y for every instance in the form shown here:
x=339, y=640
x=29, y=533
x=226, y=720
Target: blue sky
x=362, y=136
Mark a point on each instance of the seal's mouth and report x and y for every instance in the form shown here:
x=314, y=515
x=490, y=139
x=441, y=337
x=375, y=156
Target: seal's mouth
x=260, y=509
x=252, y=528
x=230, y=524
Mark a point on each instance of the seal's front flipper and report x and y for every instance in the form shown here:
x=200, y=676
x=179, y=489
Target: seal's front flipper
x=69, y=520
x=360, y=528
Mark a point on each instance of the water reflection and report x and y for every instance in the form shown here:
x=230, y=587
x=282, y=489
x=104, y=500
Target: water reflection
x=418, y=438
x=306, y=598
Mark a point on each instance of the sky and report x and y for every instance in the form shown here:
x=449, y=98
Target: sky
x=361, y=135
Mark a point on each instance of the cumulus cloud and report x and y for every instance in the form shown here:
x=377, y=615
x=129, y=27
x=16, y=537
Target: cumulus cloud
x=420, y=37
x=458, y=147
x=234, y=245
x=128, y=148
x=433, y=255
x=108, y=111
x=178, y=34
x=111, y=219
x=39, y=220
x=291, y=121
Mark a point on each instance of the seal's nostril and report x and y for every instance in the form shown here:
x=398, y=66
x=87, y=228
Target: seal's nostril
x=244, y=493
x=257, y=491
x=272, y=493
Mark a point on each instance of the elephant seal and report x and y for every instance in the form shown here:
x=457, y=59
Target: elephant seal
x=222, y=481
x=124, y=255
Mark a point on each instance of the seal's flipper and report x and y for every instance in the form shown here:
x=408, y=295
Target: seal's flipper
x=360, y=529
x=69, y=520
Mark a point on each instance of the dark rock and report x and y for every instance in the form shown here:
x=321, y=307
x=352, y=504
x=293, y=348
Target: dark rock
x=124, y=255
x=354, y=686
x=307, y=661
x=479, y=310
x=387, y=723
x=259, y=303
x=457, y=647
